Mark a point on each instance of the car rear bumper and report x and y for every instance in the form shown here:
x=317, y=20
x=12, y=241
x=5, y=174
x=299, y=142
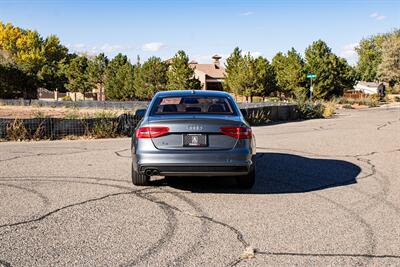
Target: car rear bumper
x=212, y=163
x=182, y=170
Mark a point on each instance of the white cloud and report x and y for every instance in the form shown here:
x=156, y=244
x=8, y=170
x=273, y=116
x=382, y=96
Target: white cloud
x=152, y=47
x=107, y=48
x=348, y=50
x=104, y=48
x=248, y=13
x=349, y=53
x=374, y=15
x=377, y=16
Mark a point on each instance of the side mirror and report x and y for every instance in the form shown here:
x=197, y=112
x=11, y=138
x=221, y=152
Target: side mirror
x=140, y=113
x=244, y=112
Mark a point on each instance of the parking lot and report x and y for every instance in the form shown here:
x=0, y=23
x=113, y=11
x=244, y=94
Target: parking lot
x=327, y=193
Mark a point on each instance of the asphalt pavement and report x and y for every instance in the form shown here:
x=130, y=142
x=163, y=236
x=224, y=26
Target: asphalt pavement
x=327, y=193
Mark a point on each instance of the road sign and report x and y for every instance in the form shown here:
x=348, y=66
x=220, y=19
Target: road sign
x=311, y=75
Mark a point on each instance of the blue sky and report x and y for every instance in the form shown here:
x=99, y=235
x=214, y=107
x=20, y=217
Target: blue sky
x=203, y=28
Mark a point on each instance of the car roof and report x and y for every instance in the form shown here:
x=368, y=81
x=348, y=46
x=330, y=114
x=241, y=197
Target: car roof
x=192, y=92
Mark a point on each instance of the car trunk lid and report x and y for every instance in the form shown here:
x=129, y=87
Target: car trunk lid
x=183, y=130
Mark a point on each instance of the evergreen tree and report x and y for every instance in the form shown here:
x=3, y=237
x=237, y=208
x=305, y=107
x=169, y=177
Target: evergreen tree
x=78, y=76
x=150, y=77
x=265, y=77
x=290, y=73
x=333, y=73
x=320, y=61
x=180, y=75
x=249, y=76
x=119, y=83
x=231, y=82
x=50, y=75
x=97, y=72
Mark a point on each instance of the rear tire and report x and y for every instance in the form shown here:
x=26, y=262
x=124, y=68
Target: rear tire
x=139, y=179
x=247, y=181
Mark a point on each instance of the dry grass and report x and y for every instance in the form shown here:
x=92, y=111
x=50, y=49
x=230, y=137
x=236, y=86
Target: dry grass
x=30, y=112
x=16, y=131
x=329, y=109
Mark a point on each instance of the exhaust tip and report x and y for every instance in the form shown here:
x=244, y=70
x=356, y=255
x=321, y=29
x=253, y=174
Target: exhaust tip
x=148, y=172
x=155, y=172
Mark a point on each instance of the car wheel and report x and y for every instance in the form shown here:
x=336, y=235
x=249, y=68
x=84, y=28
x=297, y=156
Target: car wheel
x=139, y=179
x=247, y=181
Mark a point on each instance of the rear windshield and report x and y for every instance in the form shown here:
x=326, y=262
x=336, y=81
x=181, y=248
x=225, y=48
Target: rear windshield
x=193, y=105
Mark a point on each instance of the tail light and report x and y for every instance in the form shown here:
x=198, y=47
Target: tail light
x=237, y=132
x=151, y=132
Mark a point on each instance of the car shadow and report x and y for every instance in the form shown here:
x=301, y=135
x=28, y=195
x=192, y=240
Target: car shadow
x=277, y=173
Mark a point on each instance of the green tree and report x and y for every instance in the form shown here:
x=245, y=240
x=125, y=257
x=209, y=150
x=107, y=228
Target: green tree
x=249, y=76
x=77, y=75
x=369, y=52
x=333, y=73
x=97, y=72
x=119, y=82
x=264, y=78
x=50, y=75
x=180, y=75
x=389, y=68
x=290, y=73
x=231, y=82
x=150, y=77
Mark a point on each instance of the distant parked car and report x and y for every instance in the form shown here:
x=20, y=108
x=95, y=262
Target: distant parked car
x=187, y=133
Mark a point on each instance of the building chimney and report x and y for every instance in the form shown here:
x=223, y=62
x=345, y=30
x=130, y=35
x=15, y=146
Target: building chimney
x=216, y=60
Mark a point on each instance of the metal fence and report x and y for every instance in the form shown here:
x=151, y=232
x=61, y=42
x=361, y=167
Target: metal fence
x=57, y=128
x=76, y=104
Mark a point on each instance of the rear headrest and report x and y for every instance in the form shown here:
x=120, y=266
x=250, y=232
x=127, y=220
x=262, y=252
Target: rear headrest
x=169, y=108
x=216, y=108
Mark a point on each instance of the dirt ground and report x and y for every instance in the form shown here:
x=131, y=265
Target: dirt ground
x=27, y=112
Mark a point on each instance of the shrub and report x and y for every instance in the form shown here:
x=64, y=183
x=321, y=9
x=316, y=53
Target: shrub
x=375, y=97
x=104, y=128
x=309, y=109
x=397, y=98
x=16, y=131
x=329, y=109
x=105, y=125
x=258, y=117
x=40, y=132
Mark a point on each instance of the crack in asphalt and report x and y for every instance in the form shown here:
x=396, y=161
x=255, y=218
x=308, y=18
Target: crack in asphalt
x=203, y=231
x=146, y=196
x=386, y=124
x=325, y=254
x=238, y=233
x=118, y=153
x=40, y=218
x=166, y=238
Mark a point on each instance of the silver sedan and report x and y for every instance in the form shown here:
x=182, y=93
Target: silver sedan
x=187, y=133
